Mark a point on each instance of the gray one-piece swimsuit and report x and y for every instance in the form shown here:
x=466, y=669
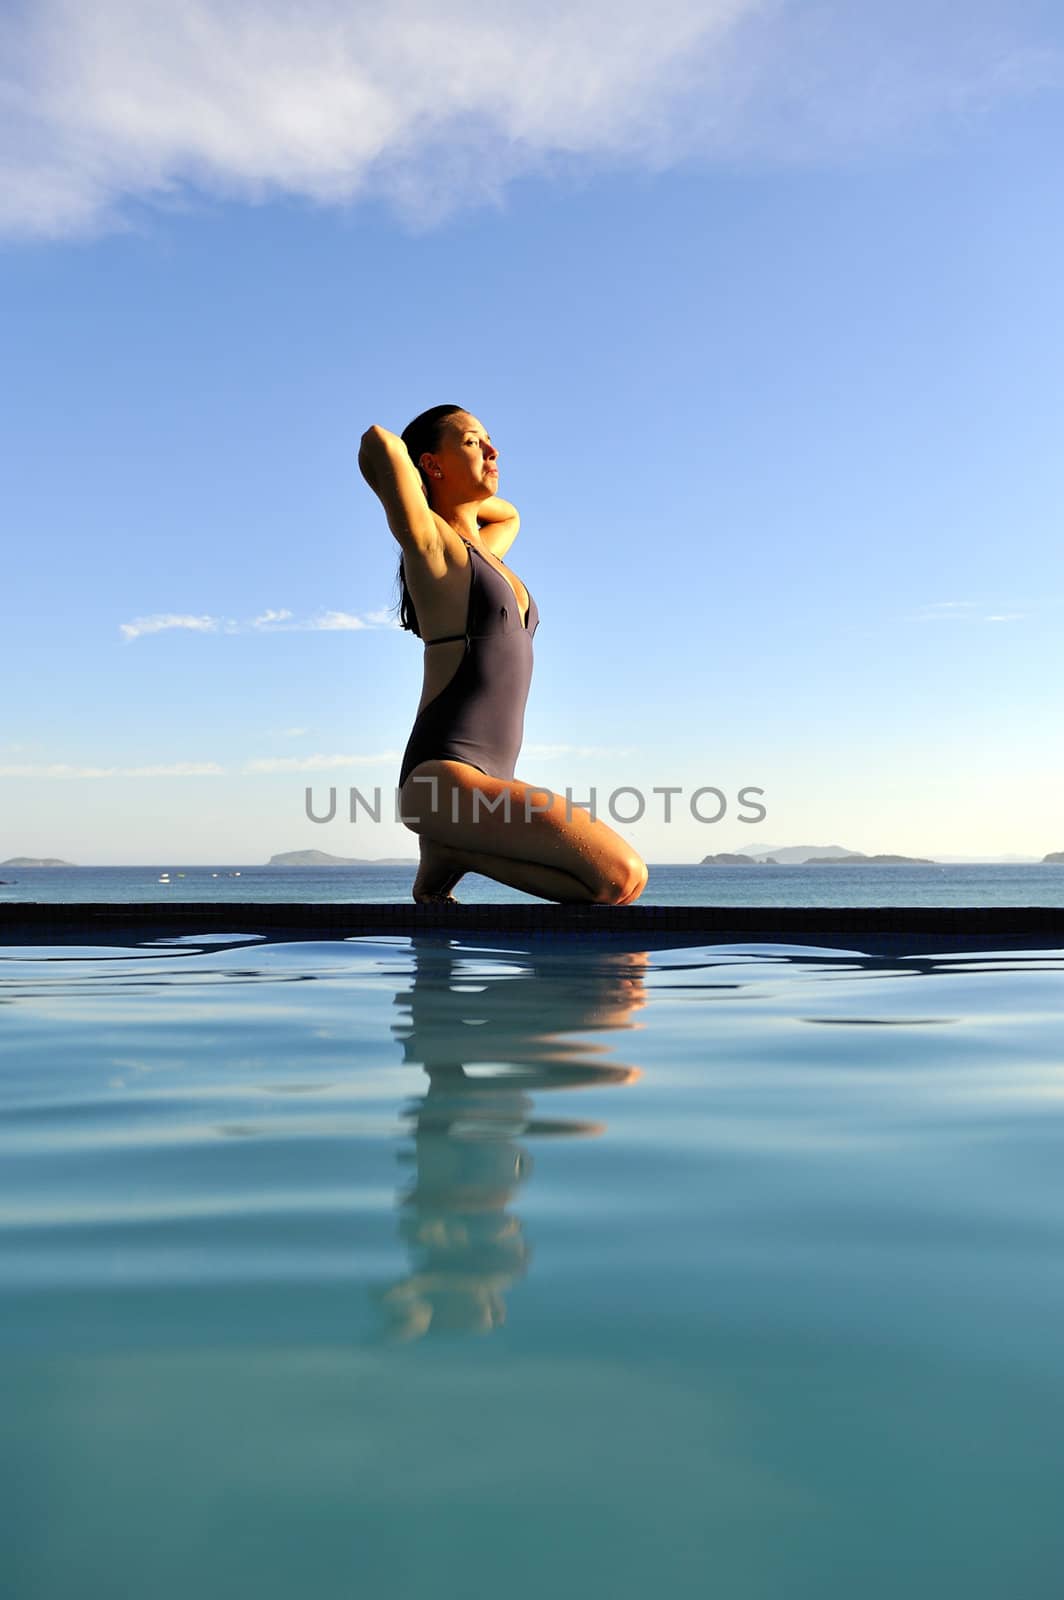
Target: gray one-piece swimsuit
x=479, y=715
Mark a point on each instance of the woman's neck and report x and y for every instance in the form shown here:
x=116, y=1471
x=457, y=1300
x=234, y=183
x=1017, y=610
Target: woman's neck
x=462, y=518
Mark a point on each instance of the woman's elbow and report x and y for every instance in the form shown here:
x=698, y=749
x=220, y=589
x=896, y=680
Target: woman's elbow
x=377, y=439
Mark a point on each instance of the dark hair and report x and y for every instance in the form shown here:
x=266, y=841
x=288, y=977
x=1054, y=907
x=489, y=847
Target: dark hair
x=424, y=433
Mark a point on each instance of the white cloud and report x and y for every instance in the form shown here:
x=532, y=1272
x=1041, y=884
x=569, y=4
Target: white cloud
x=331, y=100
x=331, y=620
x=547, y=752
x=279, y=621
x=199, y=769
x=945, y=611
x=962, y=611
x=63, y=769
x=319, y=763
x=165, y=620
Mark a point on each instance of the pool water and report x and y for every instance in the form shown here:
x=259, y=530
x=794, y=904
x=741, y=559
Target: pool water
x=436, y=1267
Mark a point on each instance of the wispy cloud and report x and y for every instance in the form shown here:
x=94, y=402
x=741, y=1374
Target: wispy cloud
x=944, y=611
x=325, y=622
x=319, y=763
x=332, y=621
x=163, y=621
x=269, y=621
x=199, y=769
x=547, y=752
x=962, y=611
x=63, y=769
x=333, y=100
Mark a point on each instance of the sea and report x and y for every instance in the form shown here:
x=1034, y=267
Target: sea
x=1023, y=884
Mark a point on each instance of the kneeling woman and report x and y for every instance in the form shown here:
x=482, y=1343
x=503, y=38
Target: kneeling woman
x=438, y=484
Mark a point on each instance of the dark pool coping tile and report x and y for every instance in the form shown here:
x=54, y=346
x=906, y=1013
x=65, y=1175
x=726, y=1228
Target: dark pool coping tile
x=885, y=929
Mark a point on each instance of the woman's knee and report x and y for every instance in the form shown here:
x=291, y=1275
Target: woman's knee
x=640, y=874
x=623, y=881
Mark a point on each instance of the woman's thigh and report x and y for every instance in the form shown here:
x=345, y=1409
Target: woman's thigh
x=464, y=809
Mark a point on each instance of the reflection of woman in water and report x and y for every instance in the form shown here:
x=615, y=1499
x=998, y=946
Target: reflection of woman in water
x=438, y=487
x=484, y=1052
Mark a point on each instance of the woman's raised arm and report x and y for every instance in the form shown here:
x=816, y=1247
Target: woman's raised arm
x=499, y=522
x=385, y=463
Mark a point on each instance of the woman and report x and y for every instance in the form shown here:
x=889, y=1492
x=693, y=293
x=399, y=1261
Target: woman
x=438, y=484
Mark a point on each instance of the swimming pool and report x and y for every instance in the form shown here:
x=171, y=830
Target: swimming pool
x=485, y=1266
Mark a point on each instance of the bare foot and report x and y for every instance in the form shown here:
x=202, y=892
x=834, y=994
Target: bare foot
x=437, y=875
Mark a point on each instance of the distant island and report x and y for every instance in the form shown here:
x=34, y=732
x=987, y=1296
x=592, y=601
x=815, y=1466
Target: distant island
x=880, y=860
x=321, y=858
x=800, y=855
x=725, y=858
x=788, y=854
x=35, y=861
x=797, y=855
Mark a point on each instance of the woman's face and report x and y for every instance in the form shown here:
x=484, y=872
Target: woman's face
x=466, y=463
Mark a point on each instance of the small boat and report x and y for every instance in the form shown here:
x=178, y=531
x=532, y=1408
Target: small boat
x=165, y=878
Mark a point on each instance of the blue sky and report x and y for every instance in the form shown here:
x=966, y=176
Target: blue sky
x=760, y=303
